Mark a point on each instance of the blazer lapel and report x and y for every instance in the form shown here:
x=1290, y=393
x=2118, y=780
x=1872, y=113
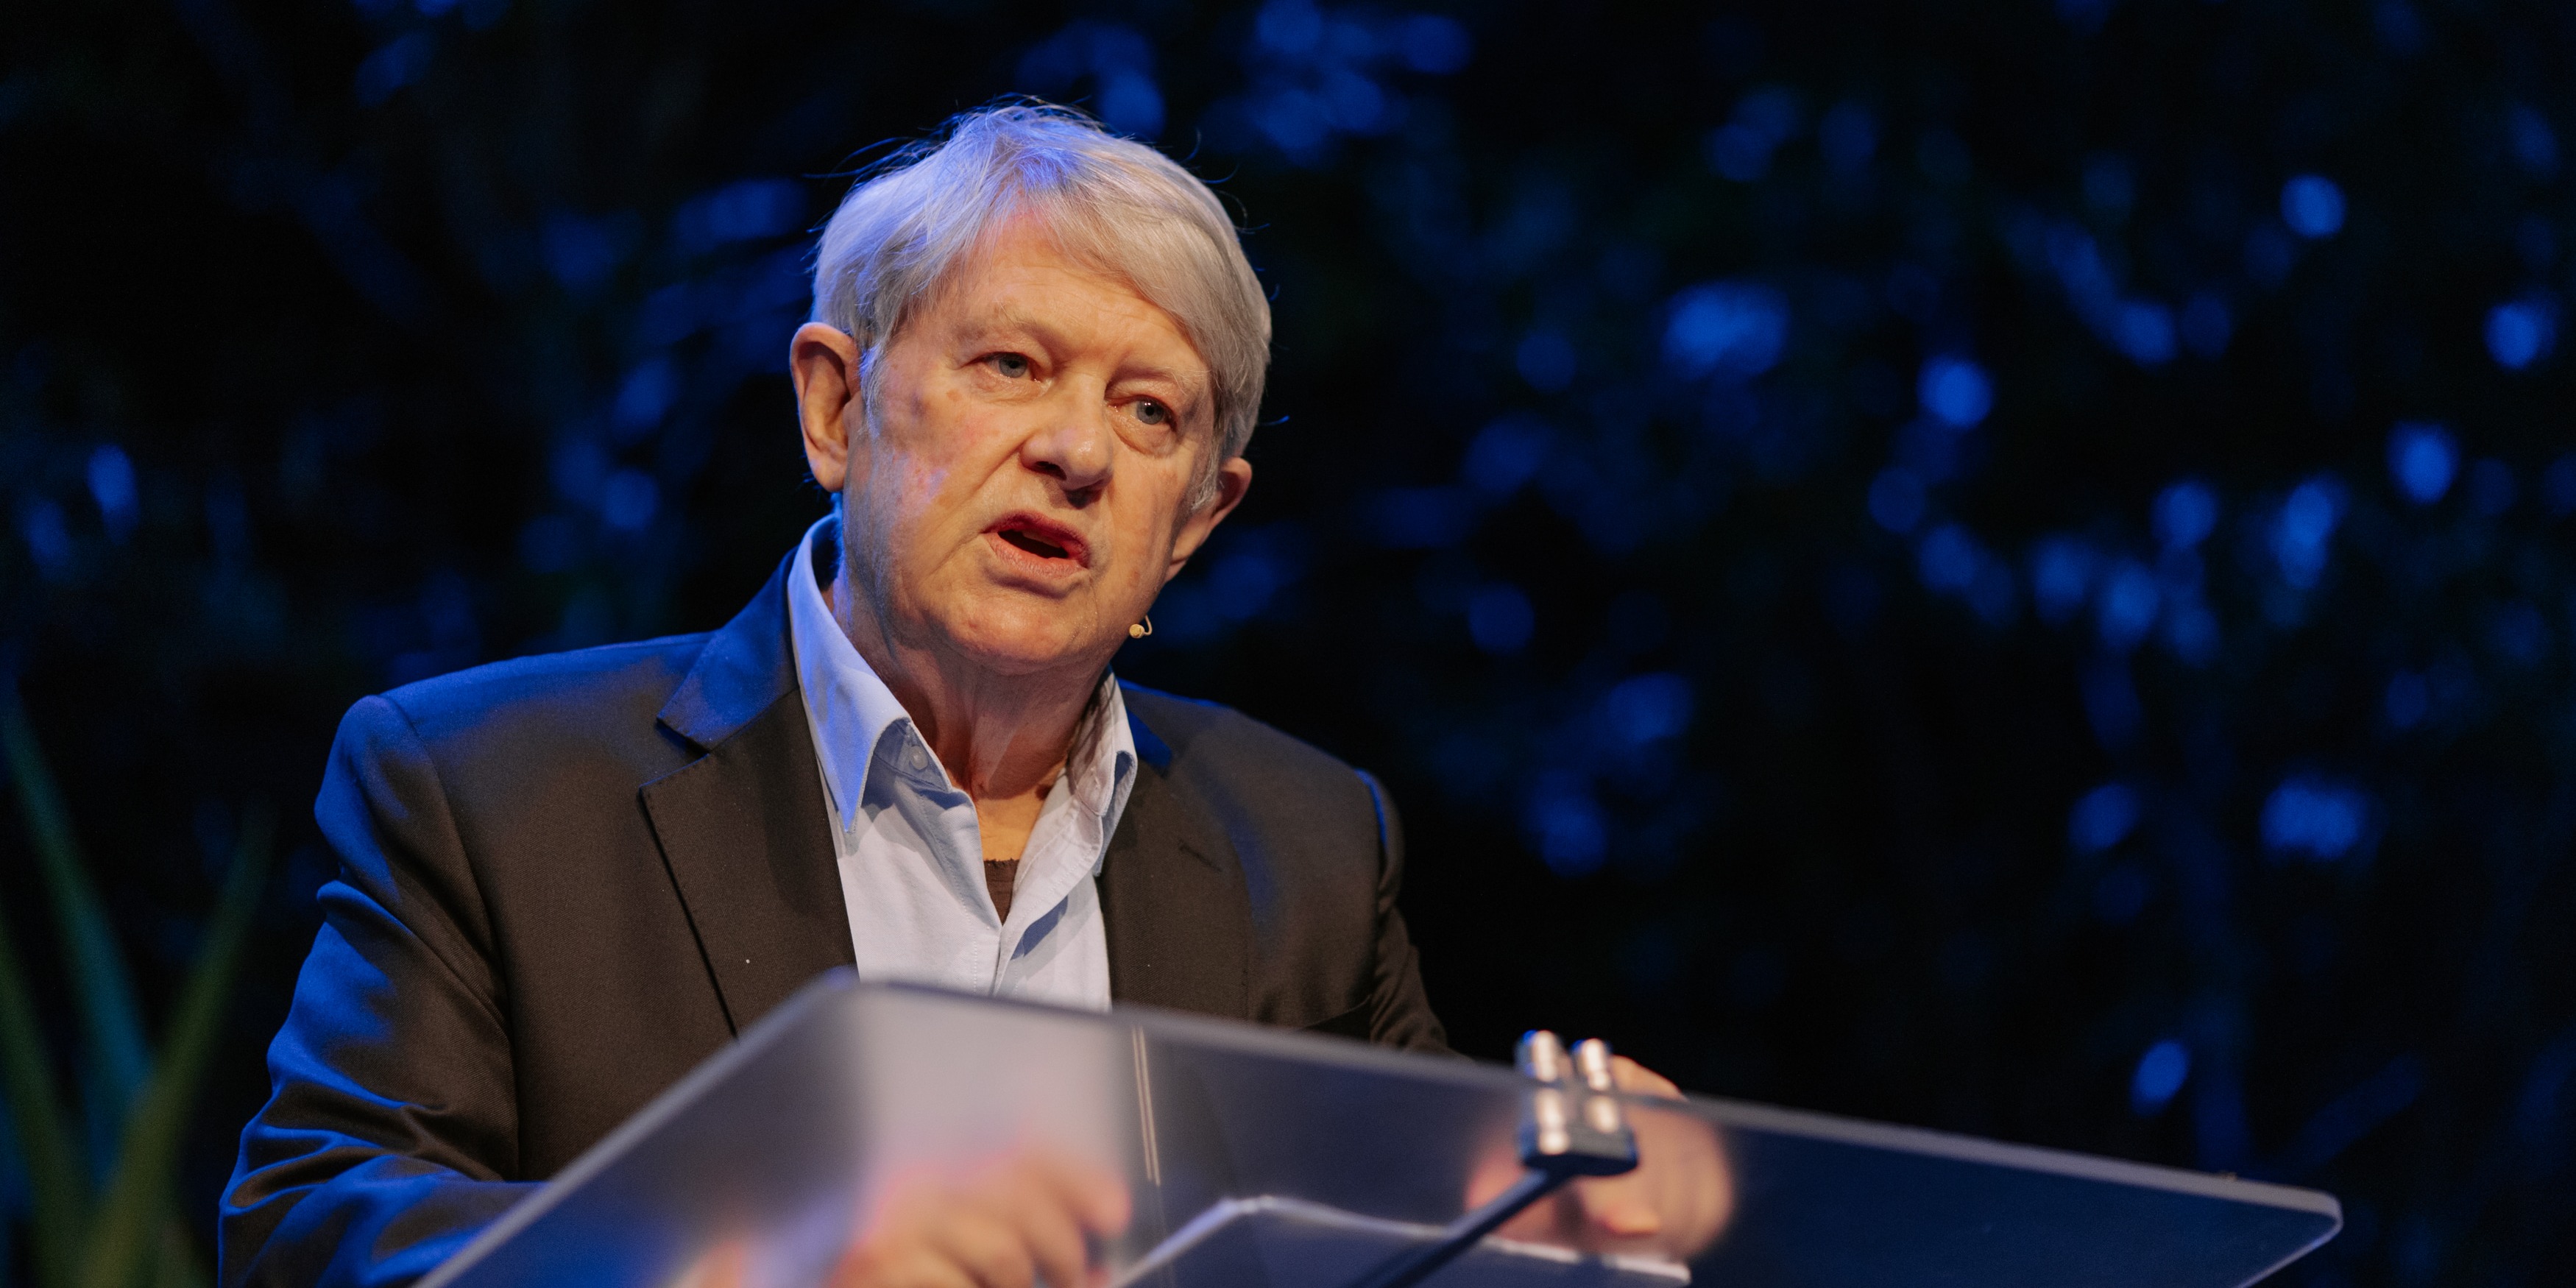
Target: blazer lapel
x=742, y=827
x=1173, y=902
x=743, y=835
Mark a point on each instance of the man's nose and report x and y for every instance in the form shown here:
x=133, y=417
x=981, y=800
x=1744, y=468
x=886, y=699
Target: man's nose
x=1073, y=446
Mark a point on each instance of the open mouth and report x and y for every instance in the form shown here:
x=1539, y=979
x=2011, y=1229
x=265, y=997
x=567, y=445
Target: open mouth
x=1042, y=540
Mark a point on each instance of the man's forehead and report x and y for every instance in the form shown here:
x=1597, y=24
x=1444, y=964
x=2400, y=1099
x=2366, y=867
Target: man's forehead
x=1064, y=302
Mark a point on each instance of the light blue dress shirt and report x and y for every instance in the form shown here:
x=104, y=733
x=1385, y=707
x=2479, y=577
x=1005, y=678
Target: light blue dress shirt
x=911, y=852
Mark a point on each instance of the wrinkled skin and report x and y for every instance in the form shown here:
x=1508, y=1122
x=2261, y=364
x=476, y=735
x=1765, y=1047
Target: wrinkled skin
x=1015, y=490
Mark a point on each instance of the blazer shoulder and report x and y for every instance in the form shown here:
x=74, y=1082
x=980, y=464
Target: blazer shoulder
x=1208, y=739
x=549, y=696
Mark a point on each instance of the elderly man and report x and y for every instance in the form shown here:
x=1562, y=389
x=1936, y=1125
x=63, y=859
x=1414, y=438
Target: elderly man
x=1037, y=353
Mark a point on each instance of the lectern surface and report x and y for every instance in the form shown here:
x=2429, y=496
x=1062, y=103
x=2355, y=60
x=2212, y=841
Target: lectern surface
x=1289, y=1243
x=1283, y=1160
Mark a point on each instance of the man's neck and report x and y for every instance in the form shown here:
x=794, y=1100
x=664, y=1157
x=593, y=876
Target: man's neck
x=1002, y=738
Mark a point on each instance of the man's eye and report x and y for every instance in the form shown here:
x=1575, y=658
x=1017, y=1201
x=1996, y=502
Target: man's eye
x=1010, y=366
x=1152, y=412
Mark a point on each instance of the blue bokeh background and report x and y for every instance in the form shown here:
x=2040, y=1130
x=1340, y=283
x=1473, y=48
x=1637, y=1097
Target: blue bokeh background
x=1998, y=566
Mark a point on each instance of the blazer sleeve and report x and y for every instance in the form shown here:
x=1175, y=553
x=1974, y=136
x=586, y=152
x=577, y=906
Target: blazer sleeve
x=1399, y=1014
x=391, y=1123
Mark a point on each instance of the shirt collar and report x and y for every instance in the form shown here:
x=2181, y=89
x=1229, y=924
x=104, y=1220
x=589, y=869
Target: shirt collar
x=1103, y=757
x=854, y=714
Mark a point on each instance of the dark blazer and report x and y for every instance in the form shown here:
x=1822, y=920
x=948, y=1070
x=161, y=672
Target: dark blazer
x=566, y=880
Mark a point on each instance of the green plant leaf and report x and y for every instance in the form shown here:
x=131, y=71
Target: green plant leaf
x=54, y=1173
x=128, y=1229
x=111, y=1021
x=179, y=1266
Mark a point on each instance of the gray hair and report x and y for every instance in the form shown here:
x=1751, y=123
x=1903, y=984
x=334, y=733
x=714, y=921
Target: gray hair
x=1111, y=202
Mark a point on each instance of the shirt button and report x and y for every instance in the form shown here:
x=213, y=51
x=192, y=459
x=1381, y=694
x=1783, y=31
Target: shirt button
x=919, y=759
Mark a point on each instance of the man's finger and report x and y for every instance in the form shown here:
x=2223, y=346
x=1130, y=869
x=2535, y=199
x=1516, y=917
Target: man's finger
x=910, y=1265
x=928, y=1268
x=1635, y=1078
x=1619, y=1206
x=1052, y=1231
x=1096, y=1196
x=986, y=1244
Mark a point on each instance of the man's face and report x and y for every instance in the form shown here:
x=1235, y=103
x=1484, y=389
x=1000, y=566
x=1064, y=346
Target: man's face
x=1021, y=496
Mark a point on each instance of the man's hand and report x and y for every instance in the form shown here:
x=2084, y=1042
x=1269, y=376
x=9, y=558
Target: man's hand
x=1004, y=1225
x=1675, y=1203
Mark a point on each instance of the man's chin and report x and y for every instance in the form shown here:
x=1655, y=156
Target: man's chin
x=1015, y=648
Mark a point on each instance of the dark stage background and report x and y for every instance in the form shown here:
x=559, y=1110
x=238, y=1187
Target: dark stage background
x=1998, y=566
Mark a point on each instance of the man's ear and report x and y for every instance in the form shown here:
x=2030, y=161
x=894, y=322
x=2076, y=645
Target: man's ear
x=1233, y=479
x=823, y=361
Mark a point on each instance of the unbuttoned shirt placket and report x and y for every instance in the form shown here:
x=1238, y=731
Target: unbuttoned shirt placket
x=910, y=849
x=1064, y=851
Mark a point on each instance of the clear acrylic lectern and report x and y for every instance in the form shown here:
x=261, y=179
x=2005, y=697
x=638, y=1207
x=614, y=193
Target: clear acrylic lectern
x=1282, y=1160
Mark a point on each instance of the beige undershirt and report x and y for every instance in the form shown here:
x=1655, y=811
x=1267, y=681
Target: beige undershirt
x=999, y=875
